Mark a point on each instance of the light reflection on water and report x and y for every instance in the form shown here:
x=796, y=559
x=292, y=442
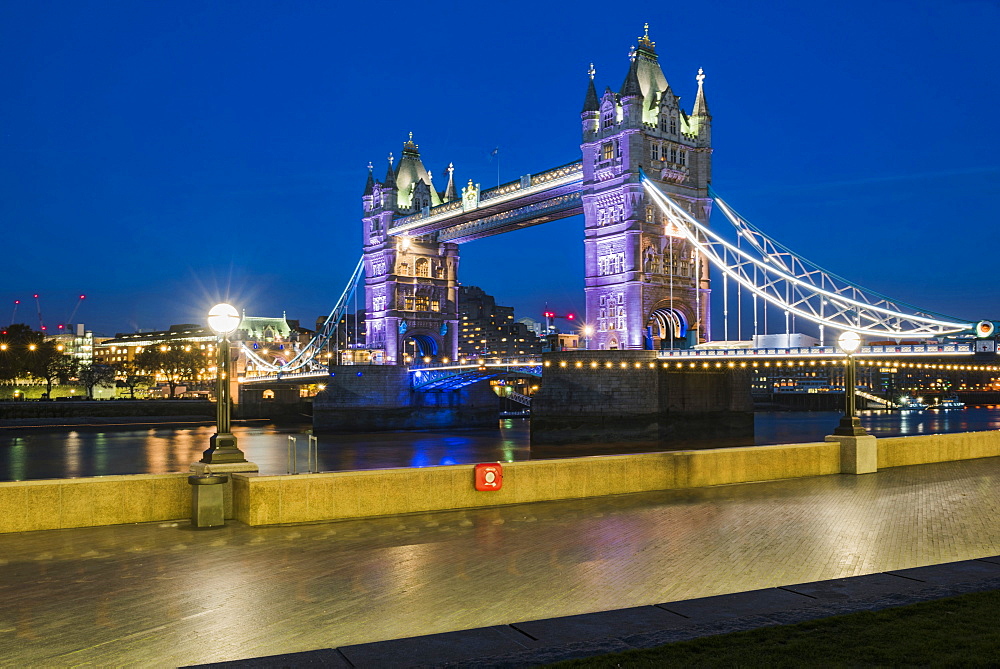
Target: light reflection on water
x=40, y=454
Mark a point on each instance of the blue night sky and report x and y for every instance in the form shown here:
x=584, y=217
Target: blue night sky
x=160, y=156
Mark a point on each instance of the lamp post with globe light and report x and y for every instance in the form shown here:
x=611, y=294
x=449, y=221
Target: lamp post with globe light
x=223, y=319
x=850, y=425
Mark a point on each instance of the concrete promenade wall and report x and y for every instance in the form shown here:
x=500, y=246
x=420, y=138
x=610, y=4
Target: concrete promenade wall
x=267, y=500
x=924, y=449
x=87, y=502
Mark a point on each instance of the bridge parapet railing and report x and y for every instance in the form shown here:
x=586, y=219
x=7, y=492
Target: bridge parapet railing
x=557, y=173
x=454, y=205
x=502, y=189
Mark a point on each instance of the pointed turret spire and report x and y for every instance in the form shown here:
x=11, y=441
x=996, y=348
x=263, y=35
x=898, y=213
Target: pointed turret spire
x=370, y=184
x=631, y=85
x=390, y=175
x=700, y=105
x=590, y=102
x=449, y=192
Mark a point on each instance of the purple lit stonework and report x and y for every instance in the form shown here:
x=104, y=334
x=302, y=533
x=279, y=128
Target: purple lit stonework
x=411, y=287
x=646, y=286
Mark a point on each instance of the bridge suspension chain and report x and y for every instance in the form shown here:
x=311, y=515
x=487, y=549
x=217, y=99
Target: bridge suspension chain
x=305, y=359
x=799, y=287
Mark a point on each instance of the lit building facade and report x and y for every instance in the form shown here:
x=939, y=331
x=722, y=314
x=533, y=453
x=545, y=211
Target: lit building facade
x=77, y=342
x=411, y=286
x=488, y=329
x=646, y=286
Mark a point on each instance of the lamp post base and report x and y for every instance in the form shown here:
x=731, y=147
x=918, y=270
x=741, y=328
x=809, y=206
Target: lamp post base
x=222, y=450
x=850, y=427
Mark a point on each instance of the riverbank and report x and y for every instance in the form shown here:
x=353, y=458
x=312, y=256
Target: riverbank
x=74, y=413
x=117, y=421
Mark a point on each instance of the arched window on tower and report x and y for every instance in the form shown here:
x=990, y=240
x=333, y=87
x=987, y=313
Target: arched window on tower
x=608, y=118
x=607, y=151
x=423, y=267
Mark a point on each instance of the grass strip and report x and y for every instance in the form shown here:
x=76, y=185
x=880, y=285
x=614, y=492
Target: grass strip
x=956, y=631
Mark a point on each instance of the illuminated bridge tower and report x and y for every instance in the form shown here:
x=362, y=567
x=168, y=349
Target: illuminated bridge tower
x=411, y=292
x=646, y=287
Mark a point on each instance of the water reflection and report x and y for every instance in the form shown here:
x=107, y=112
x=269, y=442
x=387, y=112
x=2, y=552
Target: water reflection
x=39, y=454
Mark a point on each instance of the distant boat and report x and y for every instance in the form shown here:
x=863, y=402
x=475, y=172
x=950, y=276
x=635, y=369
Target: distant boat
x=949, y=402
x=907, y=403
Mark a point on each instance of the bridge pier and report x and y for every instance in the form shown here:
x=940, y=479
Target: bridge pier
x=372, y=398
x=614, y=396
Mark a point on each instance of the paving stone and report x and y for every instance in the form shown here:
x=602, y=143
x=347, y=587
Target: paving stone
x=738, y=605
x=436, y=648
x=951, y=573
x=589, y=626
x=856, y=587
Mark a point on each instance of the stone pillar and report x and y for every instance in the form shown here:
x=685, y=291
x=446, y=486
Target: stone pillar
x=858, y=453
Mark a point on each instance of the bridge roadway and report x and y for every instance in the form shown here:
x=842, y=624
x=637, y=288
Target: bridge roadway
x=161, y=594
x=952, y=353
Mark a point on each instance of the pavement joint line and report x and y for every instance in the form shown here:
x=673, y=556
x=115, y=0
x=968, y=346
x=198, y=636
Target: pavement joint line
x=788, y=588
x=662, y=606
x=908, y=578
x=521, y=631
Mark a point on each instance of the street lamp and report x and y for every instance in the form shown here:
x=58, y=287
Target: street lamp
x=588, y=332
x=850, y=424
x=223, y=319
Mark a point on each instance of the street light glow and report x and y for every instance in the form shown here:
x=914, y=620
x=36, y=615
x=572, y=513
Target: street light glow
x=223, y=318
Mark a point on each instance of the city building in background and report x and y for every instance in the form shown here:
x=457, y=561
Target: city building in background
x=77, y=342
x=488, y=329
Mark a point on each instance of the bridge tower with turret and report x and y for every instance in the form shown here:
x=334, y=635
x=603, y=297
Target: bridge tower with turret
x=646, y=286
x=411, y=287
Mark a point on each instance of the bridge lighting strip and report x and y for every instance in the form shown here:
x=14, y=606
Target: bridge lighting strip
x=500, y=199
x=284, y=377
x=529, y=363
x=317, y=343
x=673, y=212
x=769, y=268
x=754, y=235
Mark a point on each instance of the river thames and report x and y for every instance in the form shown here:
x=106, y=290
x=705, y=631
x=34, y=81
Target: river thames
x=46, y=453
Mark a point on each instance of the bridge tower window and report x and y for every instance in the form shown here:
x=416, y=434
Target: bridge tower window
x=423, y=267
x=607, y=151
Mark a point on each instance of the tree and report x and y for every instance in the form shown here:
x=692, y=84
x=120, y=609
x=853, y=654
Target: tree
x=93, y=375
x=134, y=377
x=50, y=363
x=176, y=364
x=18, y=343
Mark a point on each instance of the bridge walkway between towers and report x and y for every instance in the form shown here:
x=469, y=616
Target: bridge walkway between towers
x=530, y=200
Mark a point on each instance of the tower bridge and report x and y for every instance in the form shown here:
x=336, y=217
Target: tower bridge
x=642, y=184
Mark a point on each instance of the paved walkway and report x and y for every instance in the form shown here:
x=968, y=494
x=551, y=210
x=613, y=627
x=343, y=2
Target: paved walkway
x=167, y=595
